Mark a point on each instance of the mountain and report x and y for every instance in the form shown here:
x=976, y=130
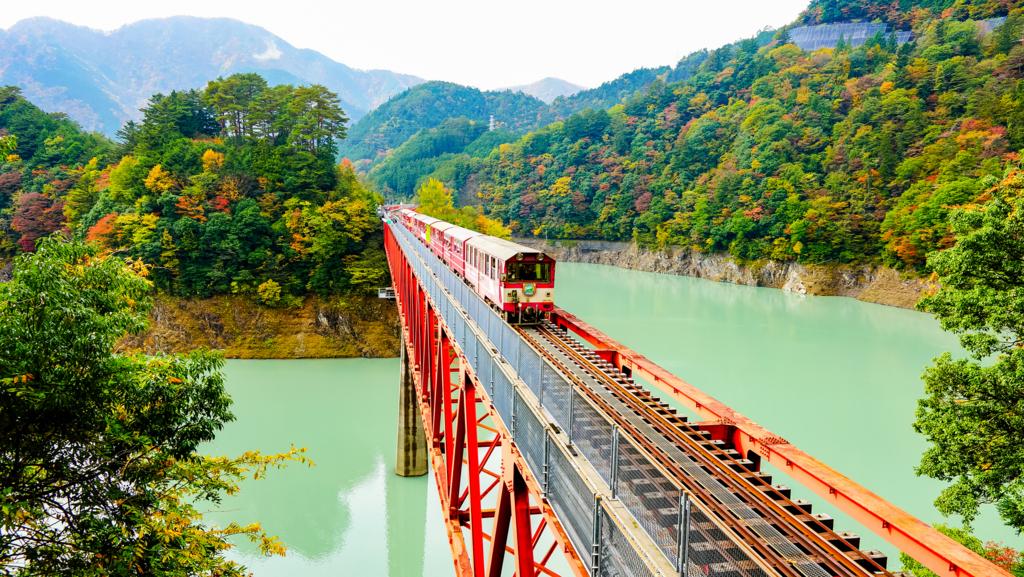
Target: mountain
x=457, y=144
x=429, y=104
x=853, y=154
x=548, y=89
x=102, y=79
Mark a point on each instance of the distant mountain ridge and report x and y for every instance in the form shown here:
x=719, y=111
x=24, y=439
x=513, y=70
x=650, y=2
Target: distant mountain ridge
x=548, y=89
x=101, y=79
x=427, y=105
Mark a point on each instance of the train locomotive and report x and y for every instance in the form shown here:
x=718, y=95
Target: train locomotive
x=515, y=280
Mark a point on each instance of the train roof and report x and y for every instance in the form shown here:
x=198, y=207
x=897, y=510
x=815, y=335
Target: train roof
x=425, y=219
x=443, y=226
x=460, y=234
x=501, y=248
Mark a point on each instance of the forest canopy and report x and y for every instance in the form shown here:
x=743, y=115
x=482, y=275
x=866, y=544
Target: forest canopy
x=221, y=190
x=765, y=151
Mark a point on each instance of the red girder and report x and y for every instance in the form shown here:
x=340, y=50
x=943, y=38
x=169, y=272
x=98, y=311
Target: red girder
x=465, y=436
x=942, y=555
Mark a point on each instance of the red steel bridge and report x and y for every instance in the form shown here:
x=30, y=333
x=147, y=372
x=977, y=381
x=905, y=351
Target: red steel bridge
x=551, y=459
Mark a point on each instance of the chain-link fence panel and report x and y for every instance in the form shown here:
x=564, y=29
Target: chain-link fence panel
x=592, y=434
x=618, y=557
x=503, y=397
x=530, y=438
x=529, y=367
x=557, y=402
x=549, y=378
x=572, y=501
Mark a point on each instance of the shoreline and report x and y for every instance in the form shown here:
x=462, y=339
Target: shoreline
x=320, y=328
x=868, y=283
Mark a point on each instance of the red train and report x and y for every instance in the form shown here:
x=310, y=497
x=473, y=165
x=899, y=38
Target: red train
x=517, y=280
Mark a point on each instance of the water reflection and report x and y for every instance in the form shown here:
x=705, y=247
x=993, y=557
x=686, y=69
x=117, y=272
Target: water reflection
x=349, y=512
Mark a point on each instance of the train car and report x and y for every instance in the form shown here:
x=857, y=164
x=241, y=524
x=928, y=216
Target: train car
x=455, y=248
x=421, y=226
x=436, y=237
x=517, y=280
x=406, y=216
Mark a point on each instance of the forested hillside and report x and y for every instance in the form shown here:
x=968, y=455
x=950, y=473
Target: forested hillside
x=430, y=104
x=902, y=13
x=421, y=133
x=232, y=189
x=457, y=144
x=766, y=151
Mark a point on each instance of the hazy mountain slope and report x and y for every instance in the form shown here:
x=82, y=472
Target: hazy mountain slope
x=548, y=89
x=102, y=79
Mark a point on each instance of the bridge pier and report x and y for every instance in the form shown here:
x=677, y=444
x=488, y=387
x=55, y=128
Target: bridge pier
x=412, y=443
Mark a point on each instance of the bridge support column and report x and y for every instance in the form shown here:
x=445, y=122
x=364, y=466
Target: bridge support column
x=412, y=444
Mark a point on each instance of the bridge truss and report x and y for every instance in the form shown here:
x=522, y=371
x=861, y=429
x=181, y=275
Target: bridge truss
x=550, y=460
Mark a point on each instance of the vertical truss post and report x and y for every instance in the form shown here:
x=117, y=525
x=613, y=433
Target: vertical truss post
x=595, y=541
x=683, y=557
x=614, y=476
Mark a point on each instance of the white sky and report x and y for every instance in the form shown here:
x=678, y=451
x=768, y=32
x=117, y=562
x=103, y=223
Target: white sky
x=484, y=43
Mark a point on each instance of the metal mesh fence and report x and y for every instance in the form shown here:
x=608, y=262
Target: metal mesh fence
x=530, y=437
x=557, y=396
x=503, y=397
x=529, y=367
x=485, y=369
x=571, y=500
x=618, y=558
x=549, y=378
x=651, y=496
x=592, y=434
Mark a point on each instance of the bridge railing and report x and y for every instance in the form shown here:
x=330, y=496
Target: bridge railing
x=627, y=477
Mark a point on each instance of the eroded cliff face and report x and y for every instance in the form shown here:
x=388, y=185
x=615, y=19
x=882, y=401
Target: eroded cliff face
x=867, y=283
x=320, y=328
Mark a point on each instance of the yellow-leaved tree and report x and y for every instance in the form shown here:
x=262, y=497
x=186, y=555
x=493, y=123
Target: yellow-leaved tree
x=434, y=199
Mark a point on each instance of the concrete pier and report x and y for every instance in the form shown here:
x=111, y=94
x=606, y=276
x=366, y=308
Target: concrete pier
x=412, y=444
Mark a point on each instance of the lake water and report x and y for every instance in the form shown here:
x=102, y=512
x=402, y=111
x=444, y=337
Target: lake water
x=837, y=377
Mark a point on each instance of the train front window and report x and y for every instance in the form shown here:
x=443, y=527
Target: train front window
x=519, y=271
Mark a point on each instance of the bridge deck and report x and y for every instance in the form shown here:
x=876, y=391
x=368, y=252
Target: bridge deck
x=634, y=488
x=756, y=515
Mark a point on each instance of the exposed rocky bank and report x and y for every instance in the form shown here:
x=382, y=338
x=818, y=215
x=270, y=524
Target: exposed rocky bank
x=877, y=284
x=319, y=328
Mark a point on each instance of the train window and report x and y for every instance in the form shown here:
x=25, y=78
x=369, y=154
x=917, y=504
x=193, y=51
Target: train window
x=528, y=271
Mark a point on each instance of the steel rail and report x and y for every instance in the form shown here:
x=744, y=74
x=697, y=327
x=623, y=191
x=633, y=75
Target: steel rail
x=744, y=536
x=936, y=551
x=815, y=542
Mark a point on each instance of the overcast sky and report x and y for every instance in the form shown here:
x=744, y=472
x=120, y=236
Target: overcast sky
x=483, y=43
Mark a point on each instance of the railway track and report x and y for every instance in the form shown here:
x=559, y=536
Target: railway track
x=748, y=527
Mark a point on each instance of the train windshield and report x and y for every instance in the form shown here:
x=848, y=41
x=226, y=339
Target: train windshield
x=519, y=271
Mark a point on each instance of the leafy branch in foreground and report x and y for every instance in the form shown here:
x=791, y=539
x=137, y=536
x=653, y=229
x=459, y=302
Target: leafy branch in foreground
x=973, y=411
x=99, y=473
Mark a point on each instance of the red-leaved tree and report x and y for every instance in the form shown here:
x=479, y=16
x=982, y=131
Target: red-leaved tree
x=36, y=215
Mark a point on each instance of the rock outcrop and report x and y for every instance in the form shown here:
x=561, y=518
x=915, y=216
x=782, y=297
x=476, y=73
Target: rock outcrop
x=319, y=328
